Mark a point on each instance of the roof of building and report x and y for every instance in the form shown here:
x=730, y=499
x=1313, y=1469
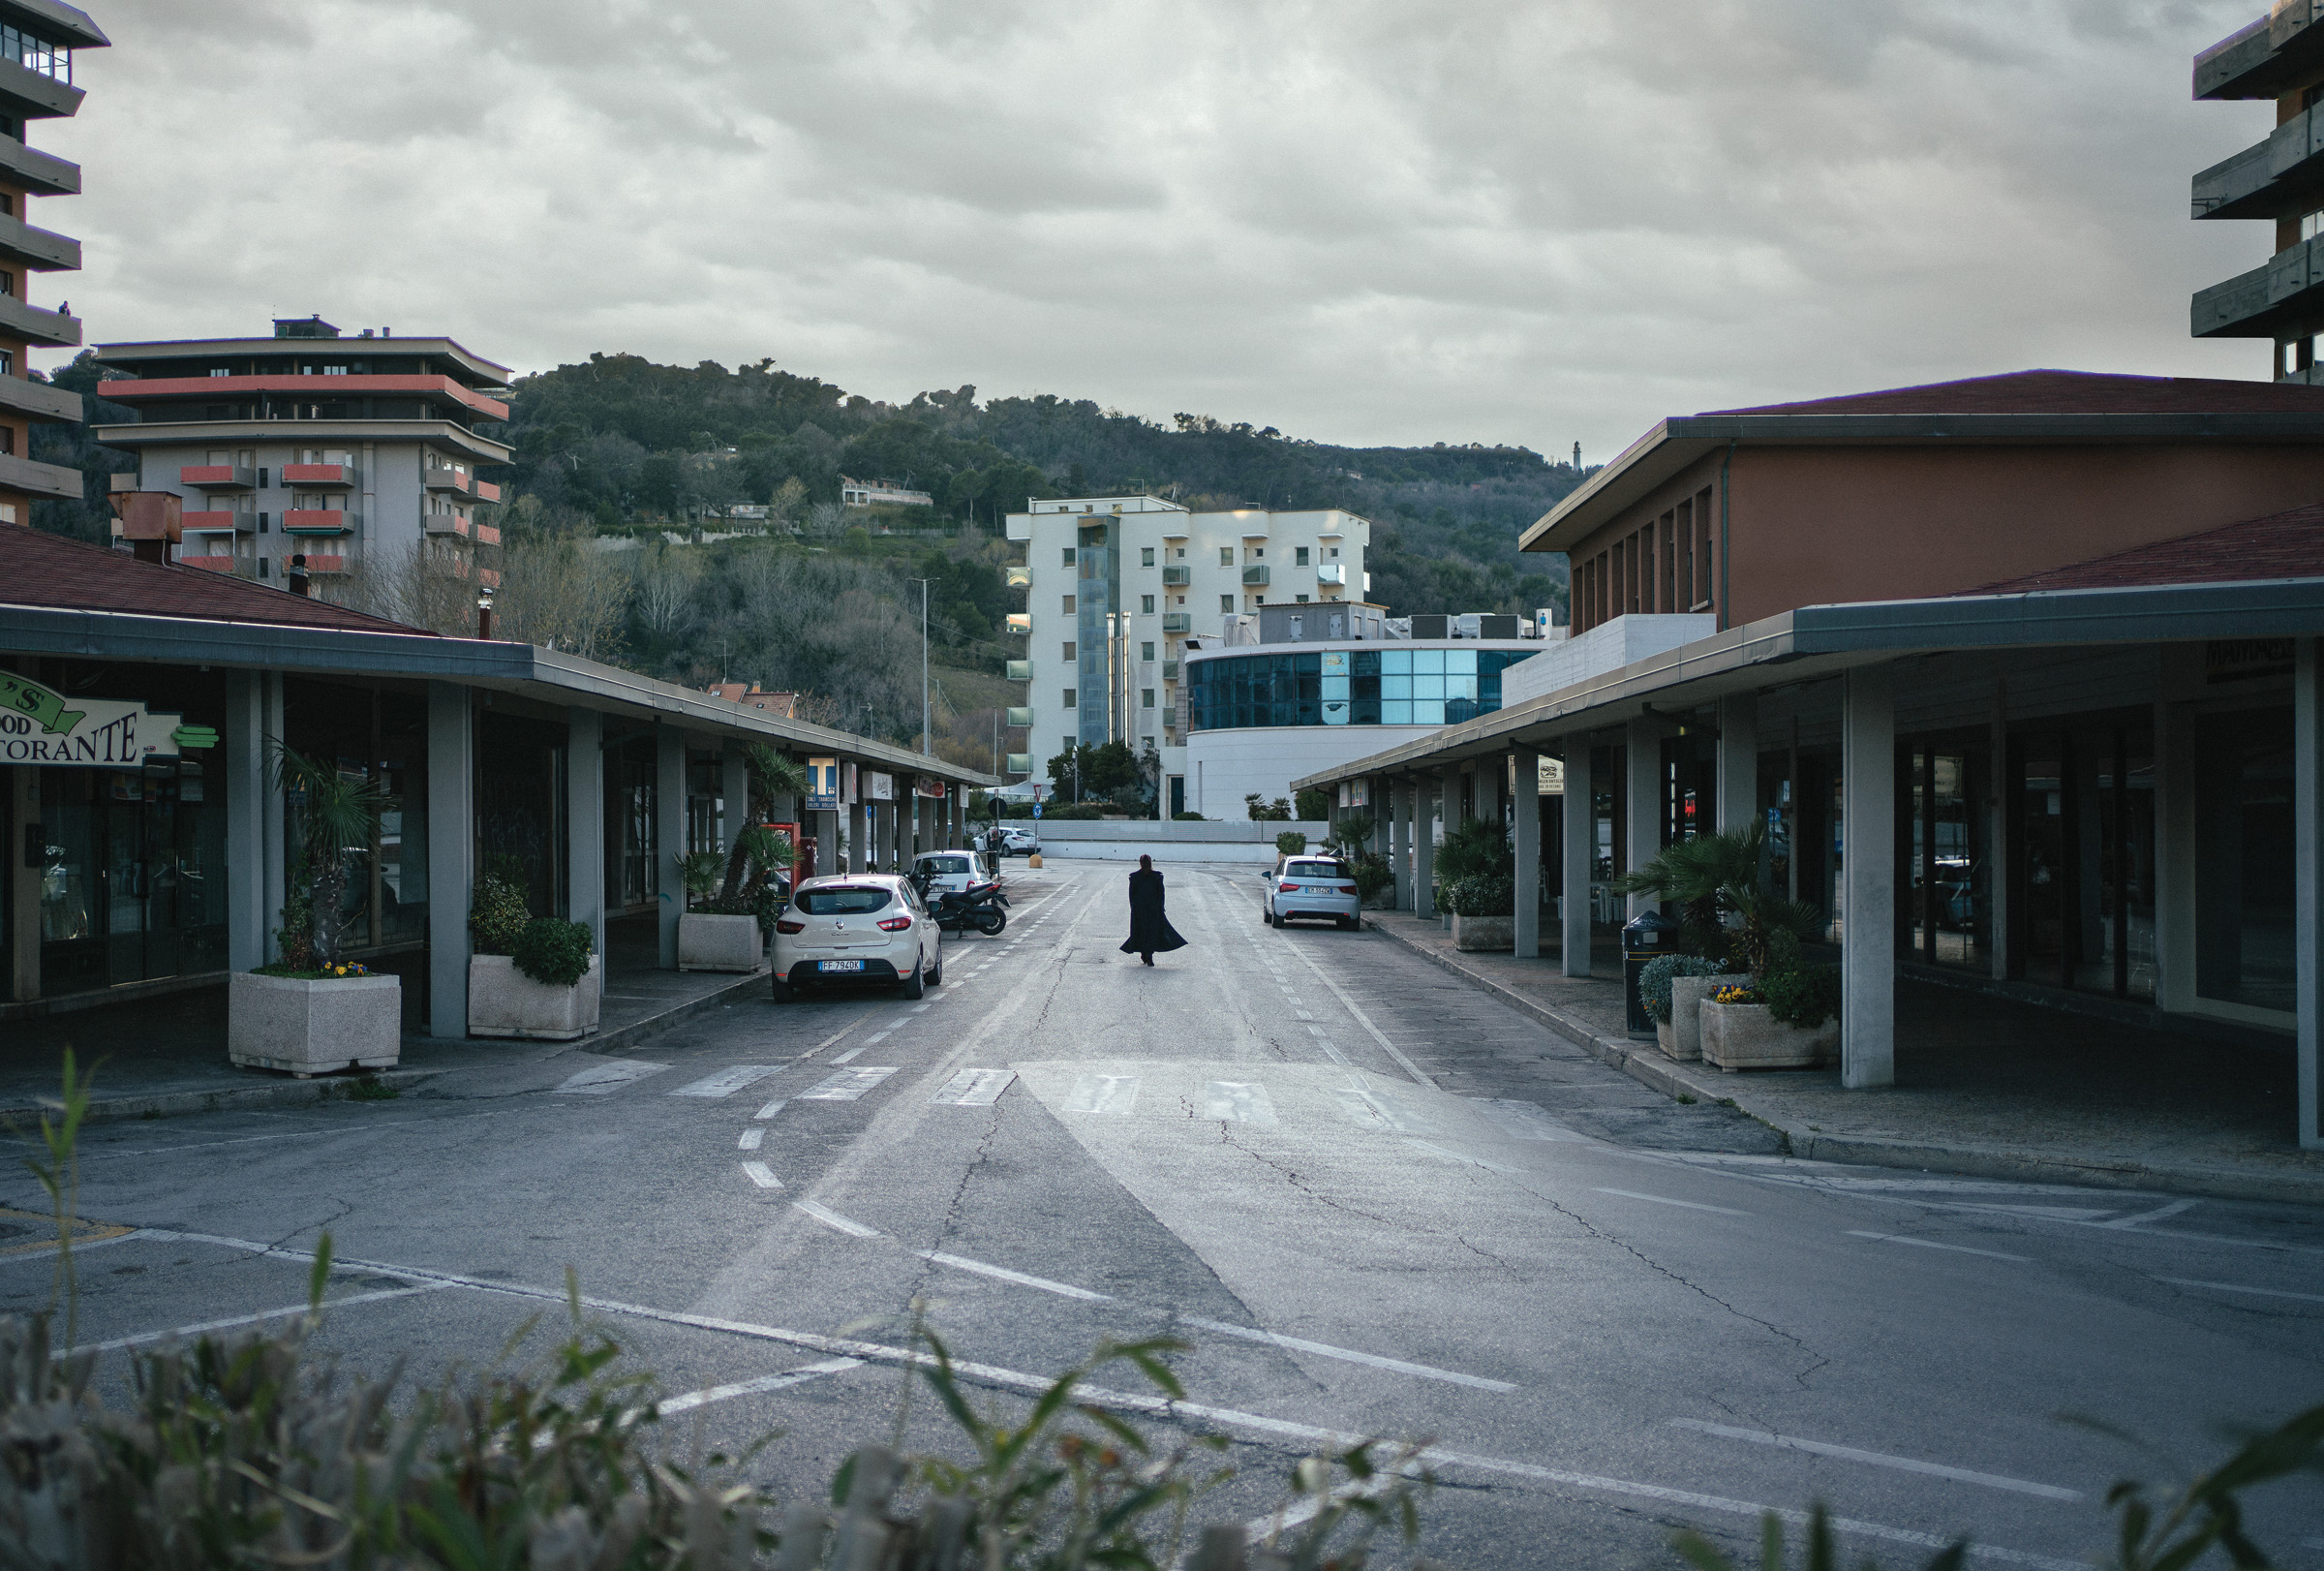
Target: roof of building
x=56, y=22
x=2020, y=407
x=38, y=569
x=2282, y=545
x=130, y=357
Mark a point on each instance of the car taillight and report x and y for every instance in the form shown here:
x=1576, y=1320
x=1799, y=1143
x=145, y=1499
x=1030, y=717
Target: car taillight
x=1287, y=889
x=893, y=924
x=790, y=927
x=1347, y=888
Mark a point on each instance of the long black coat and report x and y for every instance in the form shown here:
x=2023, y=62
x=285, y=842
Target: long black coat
x=1150, y=932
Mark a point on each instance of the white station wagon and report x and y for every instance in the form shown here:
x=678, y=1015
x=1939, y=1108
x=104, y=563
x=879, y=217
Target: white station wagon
x=853, y=928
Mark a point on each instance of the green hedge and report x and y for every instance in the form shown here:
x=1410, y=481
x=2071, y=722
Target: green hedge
x=553, y=950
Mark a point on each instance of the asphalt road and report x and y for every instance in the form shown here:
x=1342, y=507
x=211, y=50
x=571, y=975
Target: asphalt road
x=1369, y=1199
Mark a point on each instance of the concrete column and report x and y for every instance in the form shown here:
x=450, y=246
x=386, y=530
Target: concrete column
x=1642, y=806
x=1400, y=844
x=1581, y=848
x=858, y=844
x=242, y=756
x=274, y=823
x=1998, y=803
x=451, y=853
x=1449, y=805
x=1490, y=771
x=669, y=834
x=1738, y=761
x=1525, y=835
x=735, y=787
x=585, y=823
x=23, y=787
x=1868, y=873
x=2307, y=857
x=827, y=843
x=1424, y=850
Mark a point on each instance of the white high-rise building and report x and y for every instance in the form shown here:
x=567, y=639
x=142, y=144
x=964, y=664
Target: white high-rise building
x=1117, y=587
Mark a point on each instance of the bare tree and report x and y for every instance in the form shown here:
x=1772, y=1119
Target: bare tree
x=564, y=592
x=667, y=578
x=420, y=585
x=826, y=521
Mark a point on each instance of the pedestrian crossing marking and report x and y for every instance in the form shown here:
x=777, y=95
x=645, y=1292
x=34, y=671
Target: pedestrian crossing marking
x=1521, y=1121
x=1239, y=1101
x=726, y=1082
x=1103, y=1094
x=605, y=1079
x=845, y=1086
x=973, y=1088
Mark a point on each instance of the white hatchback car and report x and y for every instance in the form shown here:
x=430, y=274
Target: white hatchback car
x=852, y=928
x=950, y=871
x=1311, y=886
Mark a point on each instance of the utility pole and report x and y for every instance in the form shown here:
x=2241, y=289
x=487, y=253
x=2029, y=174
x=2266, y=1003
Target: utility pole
x=928, y=740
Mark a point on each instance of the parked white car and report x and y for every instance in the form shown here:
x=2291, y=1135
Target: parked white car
x=950, y=871
x=853, y=929
x=1312, y=887
x=1017, y=841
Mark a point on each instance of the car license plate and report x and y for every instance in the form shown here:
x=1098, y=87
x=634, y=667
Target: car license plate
x=838, y=964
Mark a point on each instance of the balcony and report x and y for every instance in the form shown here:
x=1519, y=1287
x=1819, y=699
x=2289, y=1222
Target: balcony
x=1176, y=622
x=217, y=521
x=484, y=534
x=1021, y=763
x=1170, y=670
x=44, y=251
x=1021, y=670
x=1332, y=572
x=212, y=564
x=1020, y=716
x=35, y=95
x=1020, y=623
x=319, y=477
x=1255, y=578
x=2263, y=59
x=40, y=173
x=328, y=566
x=320, y=521
x=445, y=480
x=486, y=491
x=1177, y=577
x=39, y=401
x=34, y=326
x=2256, y=303
x=33, y=479
x=2266, y=178
x=218, y=477
x=1020, y=577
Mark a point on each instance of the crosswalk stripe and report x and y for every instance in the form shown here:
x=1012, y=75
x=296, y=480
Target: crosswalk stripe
x=726, y=1082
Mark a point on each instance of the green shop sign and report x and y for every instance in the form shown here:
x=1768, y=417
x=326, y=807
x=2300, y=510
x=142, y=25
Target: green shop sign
x=40, y=726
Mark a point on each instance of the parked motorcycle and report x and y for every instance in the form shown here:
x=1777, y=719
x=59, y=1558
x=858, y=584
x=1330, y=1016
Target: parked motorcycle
x=978, y=906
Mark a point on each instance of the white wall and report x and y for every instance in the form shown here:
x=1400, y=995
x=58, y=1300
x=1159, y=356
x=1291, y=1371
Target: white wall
x=1606, y=647
x=1221, y=766
x=1245, y=842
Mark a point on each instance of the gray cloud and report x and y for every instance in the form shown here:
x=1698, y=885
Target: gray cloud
x=1369, y=222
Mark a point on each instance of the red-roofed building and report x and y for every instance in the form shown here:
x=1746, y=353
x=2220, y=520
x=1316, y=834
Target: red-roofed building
x=2286, y=544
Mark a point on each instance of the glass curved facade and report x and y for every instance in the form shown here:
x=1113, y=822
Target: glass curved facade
x=1387, y=686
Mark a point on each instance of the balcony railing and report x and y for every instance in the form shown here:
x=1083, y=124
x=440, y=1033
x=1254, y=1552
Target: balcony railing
x=35, y=325
x=1170, y=670
x=31, y=476
x=486, y=491
x=218, y=477
x=320, y=521
x=323, y=476
x=1255, y=578
x=2253, y=304
x=217, y=521
x=40, y=249
x=1021, y=763
x=1021, y=670
x=1021, y=577
x=445, y=480
x=1176, y=622
x=1020, y=715
x=1332, y=572
x=213, y=564
x=1020, y=623
x=1177, y=577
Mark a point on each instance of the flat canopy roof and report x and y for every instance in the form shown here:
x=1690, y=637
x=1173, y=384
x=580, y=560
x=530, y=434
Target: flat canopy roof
x=1819, y=641
x=130, y=355
x=524, y=670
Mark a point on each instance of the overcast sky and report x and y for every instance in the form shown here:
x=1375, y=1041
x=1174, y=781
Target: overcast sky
x=1357, y=221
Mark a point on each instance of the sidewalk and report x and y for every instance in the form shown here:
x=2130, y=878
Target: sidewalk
x=1985, y=1086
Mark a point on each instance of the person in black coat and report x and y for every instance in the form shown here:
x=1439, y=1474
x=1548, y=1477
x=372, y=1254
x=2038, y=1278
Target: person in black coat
x=1150, y=930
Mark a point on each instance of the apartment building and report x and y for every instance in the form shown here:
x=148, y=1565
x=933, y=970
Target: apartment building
x=2279, y=180
x=1118, y=588
x=37, y=41
x=359, y=454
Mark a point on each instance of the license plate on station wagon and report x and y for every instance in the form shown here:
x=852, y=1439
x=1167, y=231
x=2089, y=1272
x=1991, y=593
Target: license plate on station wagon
x=838, y=964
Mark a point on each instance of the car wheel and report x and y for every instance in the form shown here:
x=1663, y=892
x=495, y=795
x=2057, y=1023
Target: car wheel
x=1275, y=920
x=935, y=975
x=1349, y=924
x=782, y=990
x=916, y=984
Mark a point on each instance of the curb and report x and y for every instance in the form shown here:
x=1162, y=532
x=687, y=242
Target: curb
x=1645, y=1063
x=341, y=1086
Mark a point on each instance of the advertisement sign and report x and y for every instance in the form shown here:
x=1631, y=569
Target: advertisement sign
x=929, y=787
x=42, y=727
x=883, y=788
x=822, y=784
x=1356, y=793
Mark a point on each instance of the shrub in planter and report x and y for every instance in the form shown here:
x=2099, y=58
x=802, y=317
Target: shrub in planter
x=1290, y=842
x=1372, y=877
x=553, y=951
x=1482, y=894
x=496, y=915
x=1654, y=982
x=1804, y=995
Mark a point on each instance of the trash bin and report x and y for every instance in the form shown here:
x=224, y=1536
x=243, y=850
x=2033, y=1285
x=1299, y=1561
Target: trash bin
x=1643, y=938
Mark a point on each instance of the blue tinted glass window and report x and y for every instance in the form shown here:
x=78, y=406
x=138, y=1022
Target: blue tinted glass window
x=1367, y=662
x=1428, y=713
x=1364, y=711
x=1395, y=687
x=1428, y=687
x=1396, y=711
x=1428, y=660
x=1396, y=662
x=1460, y=686
x=1461, y=661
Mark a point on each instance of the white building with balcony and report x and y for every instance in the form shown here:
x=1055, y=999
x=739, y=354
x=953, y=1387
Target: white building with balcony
x=1120, y=589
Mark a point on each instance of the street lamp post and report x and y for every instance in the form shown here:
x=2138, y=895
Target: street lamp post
x=927, y=742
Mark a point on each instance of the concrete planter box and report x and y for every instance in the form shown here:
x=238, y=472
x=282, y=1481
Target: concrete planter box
x=313, y=1027
x=1747, y=1037
x=1484, y=935
x=1688, y=995
x=503, y=1001
x=719, y=943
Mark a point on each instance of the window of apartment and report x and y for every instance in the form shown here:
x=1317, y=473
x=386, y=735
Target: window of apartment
x=2310, y=222
x=334, y=370
x=7, y=283
x=1255, y=602
x=1335, y=551
x=1181, y=601
x=1178, y=555
x=1072, y=699
x=1069, y=654
x=1226, y=553
x=1146, y=605
x=1146, y=698
x=7, y=362
x=1226, y=602
x=1068, y=600
x=1299, y=555
x=1145, y=556
x=1257, y=553
x=1069, y=556
x=1146, y=650
x=8, y=205
x=1299, y=599
x=219, y=371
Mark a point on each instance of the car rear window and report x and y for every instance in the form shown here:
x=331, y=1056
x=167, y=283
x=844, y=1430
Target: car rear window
x=947, y=864
x=1317, y=870
x=843, y=900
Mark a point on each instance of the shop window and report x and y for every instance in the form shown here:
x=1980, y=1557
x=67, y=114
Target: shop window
x=1947, y=919
x=2243, y=865
x=2082, y=869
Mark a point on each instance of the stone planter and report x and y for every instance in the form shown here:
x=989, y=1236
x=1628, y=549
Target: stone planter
x=1663, y=1039
x=1688, y=995
x=503, y=1001
x=313, y=1027
x=1747, y=1037
x=719, y=943
x=1484, y=935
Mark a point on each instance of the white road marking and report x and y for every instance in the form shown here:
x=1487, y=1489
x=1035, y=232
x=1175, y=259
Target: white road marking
x=1103, y=1094
x=831, y=1218
x=1932, y=1244
x=1464, y=1160
x=693, y=1399
x=1375, y=1109
x=1004, y=1274
x=1522, y=1121
x=1332, y=1053
x=1665, y=1200
x=2238, y=1287
x=918, y=1007
x=726, y=1082
x=605, y=1079
x=1879, y=1458
x=44, y=1251
x=845, y=1086
x=228, y=1324
x=1365, y=1021
x=2173, y=1208
x=750, y=1139
x=772, y=1108
x=762, y=1175
x=1309, y=1434
x=853, y=1053
x=1239, y=1101
x=973, y=1088
x=1327, y=1350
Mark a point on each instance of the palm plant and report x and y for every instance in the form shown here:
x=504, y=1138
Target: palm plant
x=336, y=815
x=1712, y=876
x=772, y=775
